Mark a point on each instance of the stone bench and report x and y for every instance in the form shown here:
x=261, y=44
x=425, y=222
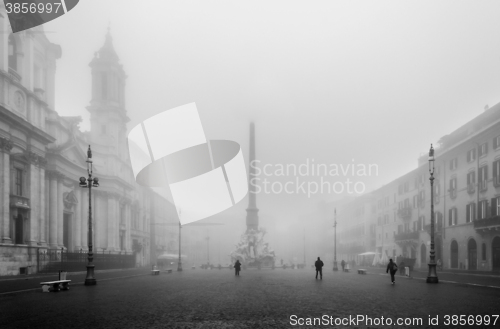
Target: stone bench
x=46, y=286
x=361, y=271
x=155, y=272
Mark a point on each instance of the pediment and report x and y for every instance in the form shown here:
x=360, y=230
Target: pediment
x=75, y=155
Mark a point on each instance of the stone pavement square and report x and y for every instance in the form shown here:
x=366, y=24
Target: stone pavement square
x=256, y=299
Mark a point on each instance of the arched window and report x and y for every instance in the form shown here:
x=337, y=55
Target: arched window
x=12, y=52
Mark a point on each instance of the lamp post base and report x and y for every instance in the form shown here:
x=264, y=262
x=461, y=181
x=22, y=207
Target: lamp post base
x=432, y=276
x=335, y=268
x=90, y=280
x=179, y=267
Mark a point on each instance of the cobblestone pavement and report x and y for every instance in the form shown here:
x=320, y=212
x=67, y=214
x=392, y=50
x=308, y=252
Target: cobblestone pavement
x=257, y=299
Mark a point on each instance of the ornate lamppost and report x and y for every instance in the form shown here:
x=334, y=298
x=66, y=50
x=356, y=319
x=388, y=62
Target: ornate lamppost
x=432, y=276
x=335, y=268
x=89, y=183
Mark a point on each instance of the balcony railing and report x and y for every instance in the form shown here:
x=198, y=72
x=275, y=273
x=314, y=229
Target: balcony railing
x=404, y=213
x=492, y=222
x=19, y=201
x=483, y=186
x=406, y=236
x=471, y=188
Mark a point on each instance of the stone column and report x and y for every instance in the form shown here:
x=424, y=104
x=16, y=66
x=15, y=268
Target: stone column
x=5, y=147
x=53, y=224
x=4, y=41
x=41, y=201
x=111, y=220
x=77, y=236
x=34, y=195
x=60, y=210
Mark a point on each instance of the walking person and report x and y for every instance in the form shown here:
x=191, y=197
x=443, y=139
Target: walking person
x=319, y=268
x=237, y=268
x=393, y=268
x=343, y=265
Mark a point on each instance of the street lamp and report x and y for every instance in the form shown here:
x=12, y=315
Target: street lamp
x=432, y=276
x=335, y=268
x=89, y=183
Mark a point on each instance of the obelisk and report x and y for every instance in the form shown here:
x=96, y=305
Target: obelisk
x=252, y=210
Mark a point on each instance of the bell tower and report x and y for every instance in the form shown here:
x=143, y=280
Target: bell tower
x=108, y=116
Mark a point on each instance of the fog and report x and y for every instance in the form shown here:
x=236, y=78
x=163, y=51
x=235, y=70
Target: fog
x=334, y=83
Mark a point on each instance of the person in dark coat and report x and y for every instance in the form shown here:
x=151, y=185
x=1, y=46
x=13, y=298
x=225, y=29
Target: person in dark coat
x=237, y=268
x=319, y=268
x=393, y=268
x=343, y=265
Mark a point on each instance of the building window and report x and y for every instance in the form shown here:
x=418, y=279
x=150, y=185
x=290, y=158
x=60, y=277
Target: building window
x=452, y=216
x=483, y=149
x=496, y=173
x=470, y=210
x=471, y=155
x=12, y=53
x=482, y=178
x=421, y=198
x=19, y=182
x=495, y=206
x=471, y=180
x=453, y=187
x=482, y=209
x=407, y=187
x=453, y=164
x=496, y=142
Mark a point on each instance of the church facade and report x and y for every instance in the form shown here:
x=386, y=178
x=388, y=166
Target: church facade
x=43, y=154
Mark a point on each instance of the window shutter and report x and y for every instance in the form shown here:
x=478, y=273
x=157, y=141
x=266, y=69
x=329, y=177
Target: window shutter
x=495, y=143
x=450, y=217
x=494, y=207
x=467, y=212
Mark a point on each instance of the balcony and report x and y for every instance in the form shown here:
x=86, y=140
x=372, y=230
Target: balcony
x=471, y=188
x=408, y=239
x=17, y=201
x=483, y=186
x=404, y=213
x=487, y=224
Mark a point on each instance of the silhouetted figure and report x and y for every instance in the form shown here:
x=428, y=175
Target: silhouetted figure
x=343, y=265
x=319, y=268
x=237, y=268
x=393, y=268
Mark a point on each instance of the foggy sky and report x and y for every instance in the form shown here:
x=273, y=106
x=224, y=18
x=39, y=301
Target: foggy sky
x=333, y=81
